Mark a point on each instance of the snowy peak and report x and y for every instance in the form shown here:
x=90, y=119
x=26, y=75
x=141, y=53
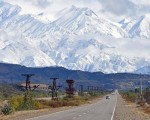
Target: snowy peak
x=85, y=21
x=7, y=11
x=83, y=11
x=74, y=14
x=138, y=27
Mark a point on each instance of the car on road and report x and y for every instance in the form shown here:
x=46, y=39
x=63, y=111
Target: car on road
x=107, y=97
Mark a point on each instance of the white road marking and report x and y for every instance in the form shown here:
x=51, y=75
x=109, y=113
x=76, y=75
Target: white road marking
x=112, y=117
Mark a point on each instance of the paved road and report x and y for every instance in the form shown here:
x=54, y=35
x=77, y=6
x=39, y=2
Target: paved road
x=101, y=110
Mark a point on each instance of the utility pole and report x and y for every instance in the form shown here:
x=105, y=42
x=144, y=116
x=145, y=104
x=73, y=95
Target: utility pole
x=141, y=86
x=28, y=82
x=95, y=89
x=54, y=88
x=28, y=96
x=88, y=88
x=81, y=89
x=92, y=88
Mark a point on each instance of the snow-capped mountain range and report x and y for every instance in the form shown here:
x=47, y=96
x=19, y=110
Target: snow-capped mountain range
x=76, y=40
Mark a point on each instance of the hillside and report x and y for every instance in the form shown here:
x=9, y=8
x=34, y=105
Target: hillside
x=12, y=74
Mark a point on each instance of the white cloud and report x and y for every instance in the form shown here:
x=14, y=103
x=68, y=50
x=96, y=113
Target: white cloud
x=124, y=8
x=109, y=7
x=117, y=6
x=41, y=3
x=141, y=2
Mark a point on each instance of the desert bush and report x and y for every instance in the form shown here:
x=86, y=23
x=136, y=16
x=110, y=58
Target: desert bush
x=24, y=102
x=37, y=105
x=16, y=102
x=61, y=103
x=129, y=96
x=55, y=104
x=66, y=101
x=7, y=109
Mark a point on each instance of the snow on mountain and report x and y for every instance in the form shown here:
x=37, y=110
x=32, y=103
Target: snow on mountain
x=72, y=53
x=85, y=21
x=139, y=27
x=144, y=70
x=7, y=11
x=127, y=23
x=41, y=17
x=18, y=49
x=70, y=41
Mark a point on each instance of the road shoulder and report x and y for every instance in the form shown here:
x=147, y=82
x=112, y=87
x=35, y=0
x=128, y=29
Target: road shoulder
x=128, y=111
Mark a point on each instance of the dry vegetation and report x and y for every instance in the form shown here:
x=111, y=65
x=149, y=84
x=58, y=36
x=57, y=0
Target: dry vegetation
x=18, y=102
x=147, y=110
x=131, y=97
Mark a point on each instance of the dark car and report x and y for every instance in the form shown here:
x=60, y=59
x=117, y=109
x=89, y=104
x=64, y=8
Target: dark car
x=107, y=97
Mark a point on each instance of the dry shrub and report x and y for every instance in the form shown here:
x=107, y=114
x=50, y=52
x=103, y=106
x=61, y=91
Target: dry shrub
x=16, y=102
x=37, y=105
x=7, y=109
x=129, y=96
x=55, y=104
x=73, y=103
x=62, y=103
x=67, y=101
x=147, y=110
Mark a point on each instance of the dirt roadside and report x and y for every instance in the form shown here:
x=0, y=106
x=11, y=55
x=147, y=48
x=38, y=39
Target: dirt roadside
x=129, y=111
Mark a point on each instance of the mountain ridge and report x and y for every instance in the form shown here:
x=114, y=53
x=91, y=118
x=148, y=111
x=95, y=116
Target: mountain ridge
x=12, y=74
x=74, y=42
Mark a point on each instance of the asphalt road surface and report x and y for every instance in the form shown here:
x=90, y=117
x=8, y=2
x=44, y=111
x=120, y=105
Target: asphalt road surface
x=101, y=110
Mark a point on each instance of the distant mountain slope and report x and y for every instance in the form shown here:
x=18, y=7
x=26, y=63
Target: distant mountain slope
x=144, y=70
x=13, y=73
x=139, y=27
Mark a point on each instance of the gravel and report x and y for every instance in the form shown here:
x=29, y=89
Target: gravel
x=129, y=111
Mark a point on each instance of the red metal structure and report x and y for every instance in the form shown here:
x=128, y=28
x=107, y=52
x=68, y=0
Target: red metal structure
x=70, y=90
